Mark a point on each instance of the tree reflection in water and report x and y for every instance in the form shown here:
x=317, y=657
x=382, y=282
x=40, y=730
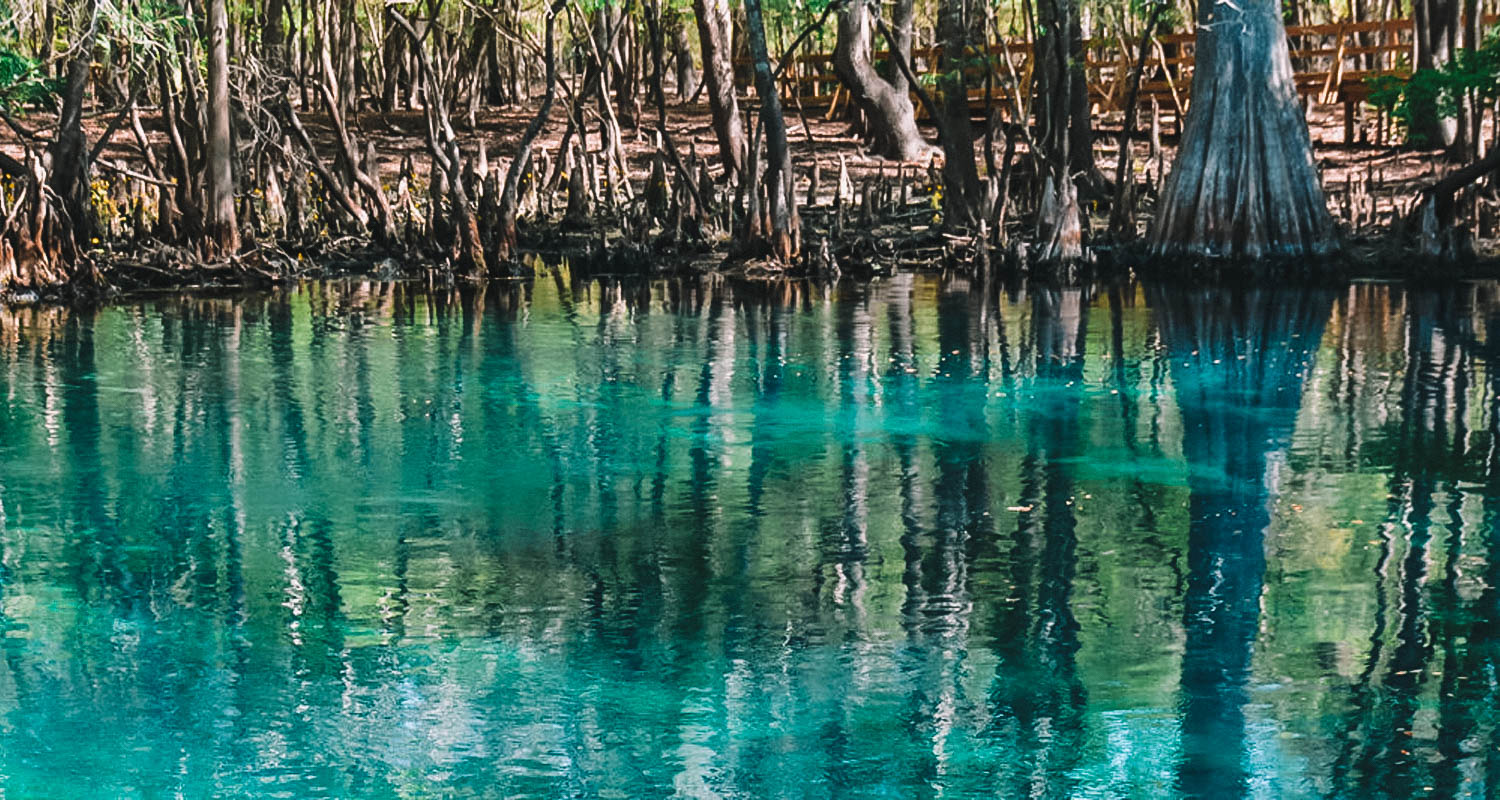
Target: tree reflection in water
x=923, y=538
x=1239, y=360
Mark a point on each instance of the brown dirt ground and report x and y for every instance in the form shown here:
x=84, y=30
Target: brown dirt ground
x=1395, y=174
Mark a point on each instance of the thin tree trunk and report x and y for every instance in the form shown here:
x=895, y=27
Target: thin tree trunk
x=624, y=60
x=273, y=36
x=718, y=78
x=1434, y=39
x=784, y=233
x=1080, y=126
x=687, y=74
x=656, y=40
x=393, y=51
x=961, y=190
x=1122, y=212
x=1064, y=129
x=69, y=178
x=522, y=162
x=49, y=32
x=223, y=230
x=1244, y=183
x=903, y=21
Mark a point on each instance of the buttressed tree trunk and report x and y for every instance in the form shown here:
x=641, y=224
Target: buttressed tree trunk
x=1244, y=183
x=223, y=230
x=891, y=123
x=718, y=78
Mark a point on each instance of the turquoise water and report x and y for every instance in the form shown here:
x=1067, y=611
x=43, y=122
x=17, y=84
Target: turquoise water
x=692, y=539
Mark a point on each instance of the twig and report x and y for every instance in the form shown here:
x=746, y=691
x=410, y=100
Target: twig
x=113, y=167
x=324, y=176
x=114, y=124
x=786, y=57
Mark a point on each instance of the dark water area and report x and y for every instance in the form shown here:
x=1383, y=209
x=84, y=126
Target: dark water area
x=920, y=539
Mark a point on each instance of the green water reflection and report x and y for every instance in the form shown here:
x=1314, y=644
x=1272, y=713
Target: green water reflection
x=691, y=539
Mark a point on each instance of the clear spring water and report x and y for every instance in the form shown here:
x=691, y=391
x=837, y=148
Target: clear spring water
x=922, y=539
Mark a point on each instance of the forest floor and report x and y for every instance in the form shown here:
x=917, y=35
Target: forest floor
x=1369, y=187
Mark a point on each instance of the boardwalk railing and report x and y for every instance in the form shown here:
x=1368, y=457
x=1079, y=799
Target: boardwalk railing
x=1332, y=63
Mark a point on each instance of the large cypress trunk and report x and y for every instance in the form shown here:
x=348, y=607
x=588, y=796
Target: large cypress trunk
x=718, y=78
x=1244, y=183
x=890, y=120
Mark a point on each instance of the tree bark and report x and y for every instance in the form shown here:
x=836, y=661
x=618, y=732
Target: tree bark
x=522, y=162
x=1064, y=129
x=273, y=36
x=961, y=191
x=718, y=78
x=784, y=233
x=223, y=230
x=1436, y=26
x=69, y=177
x=687, y=75
x=1244, y=183
x=656, y=42
x=392, y=51
x=891, y=123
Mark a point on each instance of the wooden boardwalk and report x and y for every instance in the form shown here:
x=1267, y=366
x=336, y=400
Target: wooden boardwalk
x=1332, y=62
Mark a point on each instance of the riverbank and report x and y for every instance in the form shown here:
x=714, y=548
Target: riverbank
x=861, y=215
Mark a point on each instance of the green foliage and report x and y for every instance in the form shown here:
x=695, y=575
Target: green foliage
x=790, y=16
x=22, y=81
x=148, y=26
x=1477, y=71
x=1429, y=94
x=1171, y=18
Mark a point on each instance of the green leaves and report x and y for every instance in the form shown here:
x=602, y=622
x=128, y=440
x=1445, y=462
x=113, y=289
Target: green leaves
x=1432, y=94
x=1171, y=16
x=149, y=26
x=22, y=81
x=1477, y=71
